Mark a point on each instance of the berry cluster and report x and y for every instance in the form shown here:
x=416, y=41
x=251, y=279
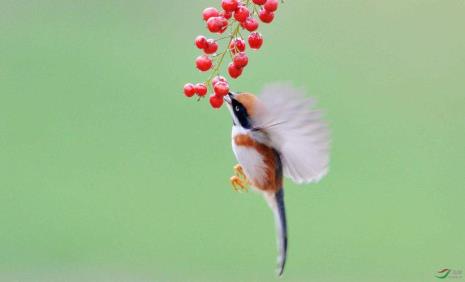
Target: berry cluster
x=236, y=16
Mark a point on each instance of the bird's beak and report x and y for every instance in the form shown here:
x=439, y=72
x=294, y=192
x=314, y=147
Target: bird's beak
x=228, y=98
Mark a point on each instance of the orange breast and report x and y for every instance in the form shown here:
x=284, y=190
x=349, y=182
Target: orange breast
x=273, y=180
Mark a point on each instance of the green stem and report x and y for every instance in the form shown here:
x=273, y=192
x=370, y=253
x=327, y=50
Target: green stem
x=221, y=56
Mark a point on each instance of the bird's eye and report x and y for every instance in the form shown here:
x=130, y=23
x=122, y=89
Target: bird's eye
x=237, y=108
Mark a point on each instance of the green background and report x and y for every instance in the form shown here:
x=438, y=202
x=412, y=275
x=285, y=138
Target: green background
x=108, y=173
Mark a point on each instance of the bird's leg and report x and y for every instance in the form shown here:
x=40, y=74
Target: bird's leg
x=239, y=181
x=239, y=171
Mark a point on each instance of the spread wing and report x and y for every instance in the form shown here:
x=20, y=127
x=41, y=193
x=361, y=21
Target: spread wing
x=296, y=130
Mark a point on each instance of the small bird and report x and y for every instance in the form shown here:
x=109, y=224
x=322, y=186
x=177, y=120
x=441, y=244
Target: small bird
x=274, y=135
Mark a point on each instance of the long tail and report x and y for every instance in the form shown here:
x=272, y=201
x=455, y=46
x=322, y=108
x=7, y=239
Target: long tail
x=276, y=203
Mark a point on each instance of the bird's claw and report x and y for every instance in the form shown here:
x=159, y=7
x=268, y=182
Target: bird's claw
x=239, y=171
x=238, y=184
x=239, y=181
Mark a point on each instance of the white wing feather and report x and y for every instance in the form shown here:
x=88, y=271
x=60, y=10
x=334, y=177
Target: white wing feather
x=295, y=130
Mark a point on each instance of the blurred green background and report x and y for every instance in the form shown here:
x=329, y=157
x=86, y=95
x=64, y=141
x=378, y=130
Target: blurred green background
x=108, y=173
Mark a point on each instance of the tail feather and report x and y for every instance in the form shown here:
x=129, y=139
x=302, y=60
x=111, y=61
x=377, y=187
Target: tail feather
x=276, y=203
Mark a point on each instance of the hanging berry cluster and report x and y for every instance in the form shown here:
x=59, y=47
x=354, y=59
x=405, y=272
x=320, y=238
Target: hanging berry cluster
x=235, y=17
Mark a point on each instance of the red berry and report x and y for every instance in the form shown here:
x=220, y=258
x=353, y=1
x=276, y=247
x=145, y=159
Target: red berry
x=210, y=46
x=240, y=60
x=224, y=25
x=225, y=14
x=221, y=88
x=203, y=63
x=189, y=89
x=233, y=71
x=237, y=45
x=200, y=41
x=201, y=89
x=271, y=5
x=216, y=101
x=241, y=13
x=213, y=24
x=229, y=5
x=217, y=24
x=259, y=2
x=217, y=79
x=255, y=40
x=266, y=16
x=251, y=24
x=210, y=12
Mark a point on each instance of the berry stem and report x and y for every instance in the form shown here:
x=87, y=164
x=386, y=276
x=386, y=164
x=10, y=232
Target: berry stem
x=240, y=34
x=255, y=11
x=220, y=56
x=228, y=24
x=221, y=38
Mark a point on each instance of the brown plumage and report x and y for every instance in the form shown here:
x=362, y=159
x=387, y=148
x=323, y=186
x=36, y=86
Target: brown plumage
x=272, y=181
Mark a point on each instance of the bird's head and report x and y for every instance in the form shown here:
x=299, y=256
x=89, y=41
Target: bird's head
x=242, y=107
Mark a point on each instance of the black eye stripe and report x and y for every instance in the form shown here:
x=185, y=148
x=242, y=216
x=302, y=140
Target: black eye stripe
x=241, y=114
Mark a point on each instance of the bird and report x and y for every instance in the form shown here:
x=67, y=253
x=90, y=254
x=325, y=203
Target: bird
x=277, y=134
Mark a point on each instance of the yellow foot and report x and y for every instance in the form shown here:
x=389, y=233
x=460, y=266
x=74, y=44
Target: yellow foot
x=237, y=184
x=239, y=181
x=239, y=171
